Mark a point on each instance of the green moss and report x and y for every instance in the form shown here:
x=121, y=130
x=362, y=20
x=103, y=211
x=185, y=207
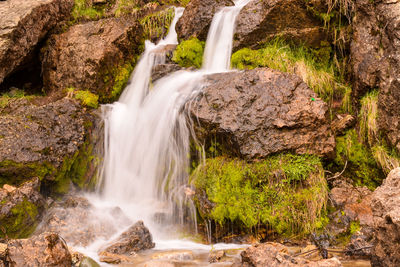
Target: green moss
x=122, y=75
x=86, y=97
x=21, y=221
x=314, y=66
x=189, y=53
x=84, y=11
x=287, y=192
x=156, y=25
x=361, y=167
x=15, y=173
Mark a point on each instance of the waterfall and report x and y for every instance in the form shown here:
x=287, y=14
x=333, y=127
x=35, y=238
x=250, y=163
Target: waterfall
x=146, y=133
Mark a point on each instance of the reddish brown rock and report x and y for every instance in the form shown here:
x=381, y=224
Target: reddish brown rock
x=197, y=17
x=259, y=112
x=47, y=249
x=386, y=214
x=90, y=56
x=23, y=24
x=375, y=54
x=260, y=21
x=135, y=239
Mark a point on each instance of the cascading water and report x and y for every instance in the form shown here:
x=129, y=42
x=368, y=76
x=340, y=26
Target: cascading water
x=147, y=136
x=147, y=144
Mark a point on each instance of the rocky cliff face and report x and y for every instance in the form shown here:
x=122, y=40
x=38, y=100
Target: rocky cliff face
x=375, y=53
x=260, y=112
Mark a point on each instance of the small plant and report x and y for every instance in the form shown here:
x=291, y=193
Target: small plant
x=368, y=118
x=189, y=53
x=156, y=25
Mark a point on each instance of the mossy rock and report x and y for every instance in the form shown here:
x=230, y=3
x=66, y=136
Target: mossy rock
x=21, y=222
x=286, y=192
x=361, y=165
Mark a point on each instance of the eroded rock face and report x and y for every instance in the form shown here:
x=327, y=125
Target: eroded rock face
x=42, y=140
x=274, y=255
x=375, y=53
x=20, y=209
x=47, y=249
x=90, y=56
x=135, y=239
x=23, y=24
x=260, y=21
x=386, y=209
x=197, y=17
x=259, y=112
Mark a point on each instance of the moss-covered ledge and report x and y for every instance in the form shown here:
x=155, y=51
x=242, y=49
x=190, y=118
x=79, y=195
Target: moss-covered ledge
x=286, y=193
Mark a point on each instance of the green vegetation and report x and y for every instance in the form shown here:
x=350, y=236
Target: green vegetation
x=25, y=171
x=361, y=167
x=285, y=192
x=189, y=53
x=386, y=159
x=84, y=11
x=21, y=222
x=16, y=93
x=156, y=25
x=126, y=7
x=313, y=66
x=86, y=97
x=368, y=118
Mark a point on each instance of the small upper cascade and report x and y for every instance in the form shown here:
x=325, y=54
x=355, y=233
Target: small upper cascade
x=217, y=54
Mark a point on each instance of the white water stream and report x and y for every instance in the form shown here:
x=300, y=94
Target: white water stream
x=147, y=137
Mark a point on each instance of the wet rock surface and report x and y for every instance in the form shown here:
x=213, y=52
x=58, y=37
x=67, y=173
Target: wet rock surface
x=274, y=254
x=20, y=209
x=37, y=139
x=23, y=24
x=89, y=56
x=135, y=239
x=197, y=17
x=47, y=249
x=260, y=21
x=260, y=112
x=385, y=206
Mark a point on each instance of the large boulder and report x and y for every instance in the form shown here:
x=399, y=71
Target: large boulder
x=96, y=56
x=259, y=112
x=197, y=17
x=23, y=24
x=48, y=141
x=20, y=209
x=275, y=255
x=386, y=209
x=260, y=21
x=47, y=249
